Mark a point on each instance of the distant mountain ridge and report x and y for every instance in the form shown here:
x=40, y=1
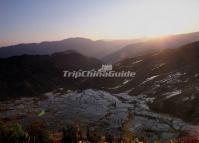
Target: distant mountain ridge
x=84, y=46
x=110, y=51
x=151, y=46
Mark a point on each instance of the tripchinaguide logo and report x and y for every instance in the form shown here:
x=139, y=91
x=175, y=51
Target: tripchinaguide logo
x=104, y=71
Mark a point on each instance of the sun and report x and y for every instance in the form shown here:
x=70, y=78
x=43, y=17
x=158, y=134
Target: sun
x=149, y=18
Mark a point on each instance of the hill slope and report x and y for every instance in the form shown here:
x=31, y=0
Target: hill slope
x=32, y=75
x=170, y=77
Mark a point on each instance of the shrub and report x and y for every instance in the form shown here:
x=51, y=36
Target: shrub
x=12, y=134
x=38, y=133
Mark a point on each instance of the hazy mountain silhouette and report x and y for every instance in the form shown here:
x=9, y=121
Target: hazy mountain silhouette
x=151, y=45
x=84, y=46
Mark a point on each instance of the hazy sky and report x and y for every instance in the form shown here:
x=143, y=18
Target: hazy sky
x=39, y=20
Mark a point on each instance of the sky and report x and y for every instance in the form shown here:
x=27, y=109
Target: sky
x=25, y=21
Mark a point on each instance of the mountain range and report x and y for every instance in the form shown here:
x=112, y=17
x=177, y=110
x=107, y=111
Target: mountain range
x=84, y=46
x=168, y=75
x=109, y=51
